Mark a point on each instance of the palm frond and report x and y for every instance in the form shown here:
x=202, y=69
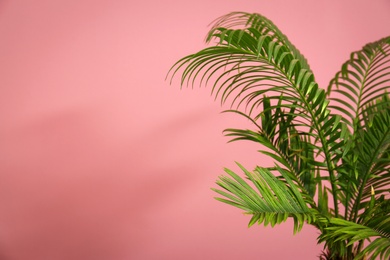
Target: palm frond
x=362, y=79
x=340, y=230
x=354, y=92
x=269, y=200
x=256, y=60
x=372, y=152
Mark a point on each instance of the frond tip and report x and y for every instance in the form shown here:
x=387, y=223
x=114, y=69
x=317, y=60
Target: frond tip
x=253, y=23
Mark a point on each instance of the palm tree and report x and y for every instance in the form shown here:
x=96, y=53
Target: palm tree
x=331, y=148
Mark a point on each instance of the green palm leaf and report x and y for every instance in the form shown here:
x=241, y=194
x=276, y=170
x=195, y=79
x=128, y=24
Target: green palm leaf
x=364, y=78
x=269, y=201
x=372, y=157
x=354, y=92
x=252, y=61
x=340, y=230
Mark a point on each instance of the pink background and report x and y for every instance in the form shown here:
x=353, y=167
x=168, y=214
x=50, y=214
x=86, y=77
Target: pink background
x=101, y=159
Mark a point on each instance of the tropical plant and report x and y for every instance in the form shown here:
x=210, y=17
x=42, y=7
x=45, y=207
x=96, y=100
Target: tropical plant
x=331, y=148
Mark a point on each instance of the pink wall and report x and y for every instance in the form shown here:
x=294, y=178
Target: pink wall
x=101, y=159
